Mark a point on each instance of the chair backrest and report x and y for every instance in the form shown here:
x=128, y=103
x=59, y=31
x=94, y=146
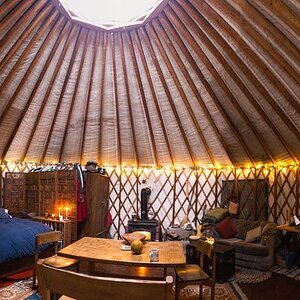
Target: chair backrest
x=45, y=238
x=206, y=249
x=86, y=287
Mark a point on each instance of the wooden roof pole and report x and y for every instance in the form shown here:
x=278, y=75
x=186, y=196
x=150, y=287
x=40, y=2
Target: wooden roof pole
x=169, y=96
x=103, y=69
x=150, y=82
x=40, y=11
x=119, y=145
x=22, y=57
x=203, y=79
x=262, y=63
x=128, y=97
x=90, y=81
x=70, y=37
x=216, y=75
x=171, y=70
x=66, y=28
x=7, y=6
x=293, y=5
x=35, y=61
x=144, y=102
x=161, y=30
x=85, y=43
x=19, y=11
x=285, y=21
x=209, y=29
x=244, y=13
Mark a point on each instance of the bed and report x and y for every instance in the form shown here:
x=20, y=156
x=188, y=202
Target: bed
x=17, y=243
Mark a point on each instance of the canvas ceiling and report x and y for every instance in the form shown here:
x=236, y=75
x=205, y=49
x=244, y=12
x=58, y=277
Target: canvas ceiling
x=201, y=83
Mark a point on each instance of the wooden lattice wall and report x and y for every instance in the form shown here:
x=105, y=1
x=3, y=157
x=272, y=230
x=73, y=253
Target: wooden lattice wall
x=187, y=192
x=177, y=193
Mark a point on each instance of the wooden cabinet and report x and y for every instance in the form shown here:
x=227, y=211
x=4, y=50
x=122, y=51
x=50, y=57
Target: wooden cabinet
x=49, y=191
x=97, y=194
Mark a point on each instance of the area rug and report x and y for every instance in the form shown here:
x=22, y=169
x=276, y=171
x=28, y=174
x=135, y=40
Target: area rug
x=226, y=291
x=246, y=275
x=223, y=291
x=17, y=291
x=292, y=273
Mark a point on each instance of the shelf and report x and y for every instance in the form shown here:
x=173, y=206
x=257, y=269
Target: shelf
x=65, y=227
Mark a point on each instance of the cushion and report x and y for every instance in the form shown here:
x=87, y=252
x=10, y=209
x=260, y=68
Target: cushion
x=130, y=237
x=4, y=214
x=233, y=208
x=241, y=227
x=226, y=229
x=253, y=234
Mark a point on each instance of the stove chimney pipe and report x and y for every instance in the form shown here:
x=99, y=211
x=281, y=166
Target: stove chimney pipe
x=145, y=194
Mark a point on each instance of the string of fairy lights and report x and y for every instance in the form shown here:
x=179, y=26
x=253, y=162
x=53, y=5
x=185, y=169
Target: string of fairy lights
x=278, y=167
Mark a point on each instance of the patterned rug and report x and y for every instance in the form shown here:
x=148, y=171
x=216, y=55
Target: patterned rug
x=17, y=291
x=227, y=291
x=292, y=273
x=223, y=291
x=245, y=275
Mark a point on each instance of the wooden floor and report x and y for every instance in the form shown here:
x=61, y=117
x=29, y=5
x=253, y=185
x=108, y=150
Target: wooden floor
x=278, y=287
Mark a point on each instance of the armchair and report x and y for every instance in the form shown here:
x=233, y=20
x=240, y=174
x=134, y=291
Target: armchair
x=254, y=243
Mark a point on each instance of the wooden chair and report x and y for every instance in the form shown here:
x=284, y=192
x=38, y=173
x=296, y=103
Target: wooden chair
x=194, y=274
x=54, y=261
x=86, y=287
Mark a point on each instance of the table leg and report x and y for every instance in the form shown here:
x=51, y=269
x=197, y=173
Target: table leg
x=91, y=268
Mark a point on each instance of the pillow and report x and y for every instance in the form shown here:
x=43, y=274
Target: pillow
x=241, y=227
x=233, y=208
x=253, y=234
x=4, y=214
x=226, y=229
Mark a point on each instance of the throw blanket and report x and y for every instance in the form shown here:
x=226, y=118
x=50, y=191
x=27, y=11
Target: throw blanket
x=215, y=215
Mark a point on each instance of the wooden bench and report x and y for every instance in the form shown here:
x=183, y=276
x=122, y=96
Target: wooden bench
x=86, y=287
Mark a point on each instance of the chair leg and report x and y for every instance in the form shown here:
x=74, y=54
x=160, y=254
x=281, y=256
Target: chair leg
x=212, y=292
x=200, y=291
x=34, y=286
x=177, y=291
x=77, y=267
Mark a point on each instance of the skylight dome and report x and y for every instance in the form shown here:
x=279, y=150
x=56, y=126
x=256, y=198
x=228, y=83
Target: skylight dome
x=112, y=13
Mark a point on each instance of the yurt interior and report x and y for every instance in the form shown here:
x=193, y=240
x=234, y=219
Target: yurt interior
x=150, y=149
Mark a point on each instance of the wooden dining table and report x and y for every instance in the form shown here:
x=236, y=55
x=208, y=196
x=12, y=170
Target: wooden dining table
x=109, y=251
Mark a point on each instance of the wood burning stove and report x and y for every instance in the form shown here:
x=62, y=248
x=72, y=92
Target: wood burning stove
x=152, y=226
x=144, y=224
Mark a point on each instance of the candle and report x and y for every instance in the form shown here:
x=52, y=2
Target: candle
x=67, y=209
x=53, y=216
x=59, y=212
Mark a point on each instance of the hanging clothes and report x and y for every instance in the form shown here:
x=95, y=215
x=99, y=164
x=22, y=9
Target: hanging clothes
x=81, y=195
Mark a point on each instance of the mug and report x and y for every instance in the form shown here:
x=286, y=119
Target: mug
x=154, y=255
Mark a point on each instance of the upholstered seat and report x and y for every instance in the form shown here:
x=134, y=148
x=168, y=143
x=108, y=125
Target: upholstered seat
x=256, y=254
